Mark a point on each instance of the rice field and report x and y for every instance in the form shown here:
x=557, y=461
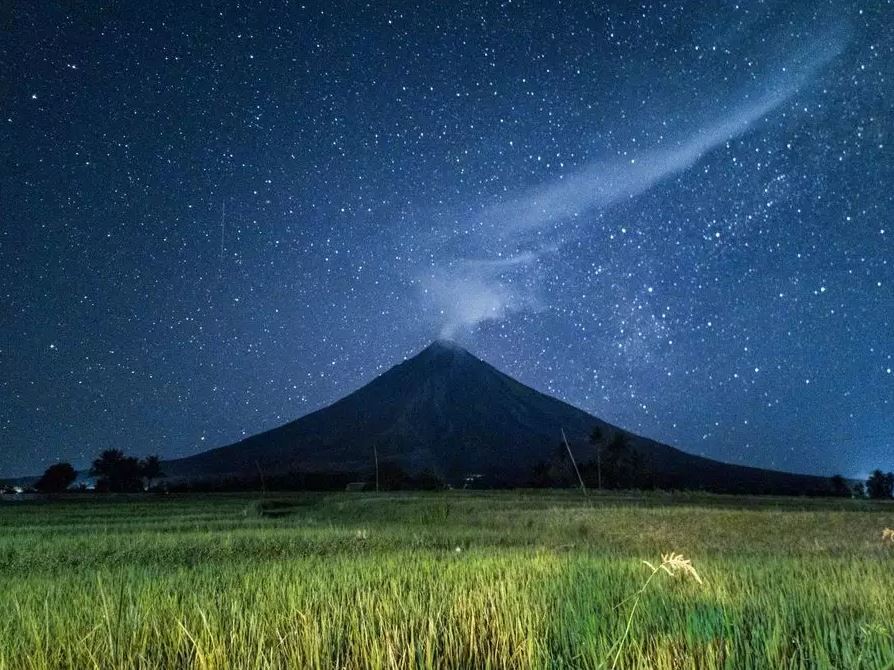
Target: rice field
x=446, y=580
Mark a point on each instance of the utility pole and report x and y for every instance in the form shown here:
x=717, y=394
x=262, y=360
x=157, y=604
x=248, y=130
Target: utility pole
x=574, y=463
x=376, y=456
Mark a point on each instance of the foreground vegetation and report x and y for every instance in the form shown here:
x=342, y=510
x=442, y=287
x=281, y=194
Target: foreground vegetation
x=451, y=579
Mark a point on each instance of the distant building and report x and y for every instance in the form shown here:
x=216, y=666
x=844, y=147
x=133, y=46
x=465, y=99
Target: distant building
x=356, y=486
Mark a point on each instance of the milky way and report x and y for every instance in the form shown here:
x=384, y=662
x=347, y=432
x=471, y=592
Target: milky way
x=215, y=218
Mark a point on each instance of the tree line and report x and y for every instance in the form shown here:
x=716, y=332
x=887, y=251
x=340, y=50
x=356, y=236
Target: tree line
x=115, y=472
x=615, y=465
x=879, y=486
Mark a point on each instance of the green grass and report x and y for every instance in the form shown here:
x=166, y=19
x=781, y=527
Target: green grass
x=450, y=580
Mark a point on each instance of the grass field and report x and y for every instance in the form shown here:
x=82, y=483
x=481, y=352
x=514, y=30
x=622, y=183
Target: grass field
x=452, y=580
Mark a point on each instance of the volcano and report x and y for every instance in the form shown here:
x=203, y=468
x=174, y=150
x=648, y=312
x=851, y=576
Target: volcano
x=450, y=414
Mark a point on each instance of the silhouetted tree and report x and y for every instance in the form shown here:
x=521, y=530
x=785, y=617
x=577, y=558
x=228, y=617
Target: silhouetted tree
x=150, y=468
x=57, y=478
x=880, y=485
x=117, y=472
x=859, y=490
x=839, y=486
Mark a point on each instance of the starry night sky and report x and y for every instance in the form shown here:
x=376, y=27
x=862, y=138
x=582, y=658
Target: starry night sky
x=217, y=217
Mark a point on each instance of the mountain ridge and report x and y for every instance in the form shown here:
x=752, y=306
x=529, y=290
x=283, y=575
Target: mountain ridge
x=446, y=412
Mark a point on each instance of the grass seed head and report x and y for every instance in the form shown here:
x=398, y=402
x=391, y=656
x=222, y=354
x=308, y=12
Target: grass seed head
x=676, y=564
x=888, y=535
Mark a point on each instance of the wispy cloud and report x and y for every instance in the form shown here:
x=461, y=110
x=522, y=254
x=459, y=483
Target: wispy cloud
x=469, y=291
x=604, y=183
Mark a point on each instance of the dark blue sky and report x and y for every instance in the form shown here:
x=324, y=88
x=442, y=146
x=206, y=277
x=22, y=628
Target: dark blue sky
x=217, y=217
